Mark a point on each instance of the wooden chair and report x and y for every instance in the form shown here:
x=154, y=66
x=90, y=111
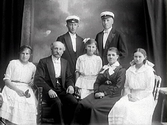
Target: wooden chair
x=44, y=110
x=163, y=91
x=44, y=115
x=2, y=121
x=156, y=89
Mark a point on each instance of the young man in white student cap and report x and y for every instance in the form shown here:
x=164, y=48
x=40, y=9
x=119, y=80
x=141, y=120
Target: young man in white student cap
x=73, y=42
x=109, y=37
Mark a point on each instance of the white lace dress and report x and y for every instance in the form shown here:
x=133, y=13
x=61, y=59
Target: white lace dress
x=89, y=67
x=140, y=84
x=16, y=109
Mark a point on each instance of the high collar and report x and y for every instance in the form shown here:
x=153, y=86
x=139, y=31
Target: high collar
x=56, y=60
x=143, y=68
x=72, y=35
x=110, y=67
x=107, y=31
x=115, y=64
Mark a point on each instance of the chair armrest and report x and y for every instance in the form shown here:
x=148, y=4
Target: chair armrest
x=39, y=95
x=157, y=85
x=39, y=98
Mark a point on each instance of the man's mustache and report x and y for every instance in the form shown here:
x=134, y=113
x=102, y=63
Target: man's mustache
x=57, y=53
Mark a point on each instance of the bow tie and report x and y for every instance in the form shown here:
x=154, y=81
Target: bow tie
x=110, y=69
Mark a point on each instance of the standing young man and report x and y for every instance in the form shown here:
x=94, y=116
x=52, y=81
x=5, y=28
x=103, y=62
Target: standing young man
x=73, y=43
x=109, y=37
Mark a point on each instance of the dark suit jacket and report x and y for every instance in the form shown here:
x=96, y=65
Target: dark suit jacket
x=45, y=74
x=114, y=40
x=69, y=54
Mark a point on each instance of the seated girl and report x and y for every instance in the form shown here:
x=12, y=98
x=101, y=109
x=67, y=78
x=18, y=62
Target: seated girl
x=87, y=68
x=19, y=102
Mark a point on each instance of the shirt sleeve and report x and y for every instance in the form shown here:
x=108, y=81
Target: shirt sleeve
x=9, y=70
x=34, y=70
x=126, y=86
x=100, y=64
x=150, y=81
x=78, y=64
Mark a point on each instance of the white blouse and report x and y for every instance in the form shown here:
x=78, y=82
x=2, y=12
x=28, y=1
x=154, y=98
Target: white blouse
x=140, y=82
x=17, y=71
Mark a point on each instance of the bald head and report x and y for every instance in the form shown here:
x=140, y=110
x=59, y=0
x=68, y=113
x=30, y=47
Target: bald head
x=57, y=49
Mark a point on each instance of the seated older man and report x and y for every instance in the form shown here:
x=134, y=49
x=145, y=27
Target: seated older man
x=53, y=74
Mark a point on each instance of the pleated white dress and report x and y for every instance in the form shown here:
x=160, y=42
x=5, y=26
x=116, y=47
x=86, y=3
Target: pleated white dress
x=89, y=67
x=16, y=109
x=140, y=84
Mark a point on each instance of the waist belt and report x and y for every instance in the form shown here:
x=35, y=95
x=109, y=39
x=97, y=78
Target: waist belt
x=17, y=81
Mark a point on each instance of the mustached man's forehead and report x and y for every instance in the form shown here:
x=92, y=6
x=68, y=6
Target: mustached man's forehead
x=57, y=44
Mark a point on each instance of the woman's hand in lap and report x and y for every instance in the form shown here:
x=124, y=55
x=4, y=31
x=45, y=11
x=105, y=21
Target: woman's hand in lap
x=132, y=98
x=99, y=95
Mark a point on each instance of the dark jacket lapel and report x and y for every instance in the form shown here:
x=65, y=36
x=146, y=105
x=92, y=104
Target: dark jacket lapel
x=69, y=46
x=78, y=46
x=109, y=39
x=68, y=42
x=51, y=71
x=100, y=44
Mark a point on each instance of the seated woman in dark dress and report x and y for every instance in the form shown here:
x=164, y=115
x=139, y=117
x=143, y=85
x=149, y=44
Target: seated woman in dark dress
x=94, y=108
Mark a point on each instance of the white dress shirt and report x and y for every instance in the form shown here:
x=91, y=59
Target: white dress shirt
x=57, y=66
x=73, y=39
x=105, y=36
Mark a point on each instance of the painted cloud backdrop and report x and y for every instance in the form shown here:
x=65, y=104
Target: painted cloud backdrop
x=50, y=15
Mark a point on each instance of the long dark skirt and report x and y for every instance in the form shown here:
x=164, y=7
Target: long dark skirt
x=91, y=111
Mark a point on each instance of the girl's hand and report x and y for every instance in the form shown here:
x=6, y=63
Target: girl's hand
x=20, y=92
x=27, y=94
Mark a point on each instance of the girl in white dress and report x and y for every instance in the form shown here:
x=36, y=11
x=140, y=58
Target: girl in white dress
x=137, y=105
x=87, y=67
x=19, y=102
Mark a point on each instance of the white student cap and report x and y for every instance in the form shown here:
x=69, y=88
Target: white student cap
x=107, y=14
x=72, y=19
